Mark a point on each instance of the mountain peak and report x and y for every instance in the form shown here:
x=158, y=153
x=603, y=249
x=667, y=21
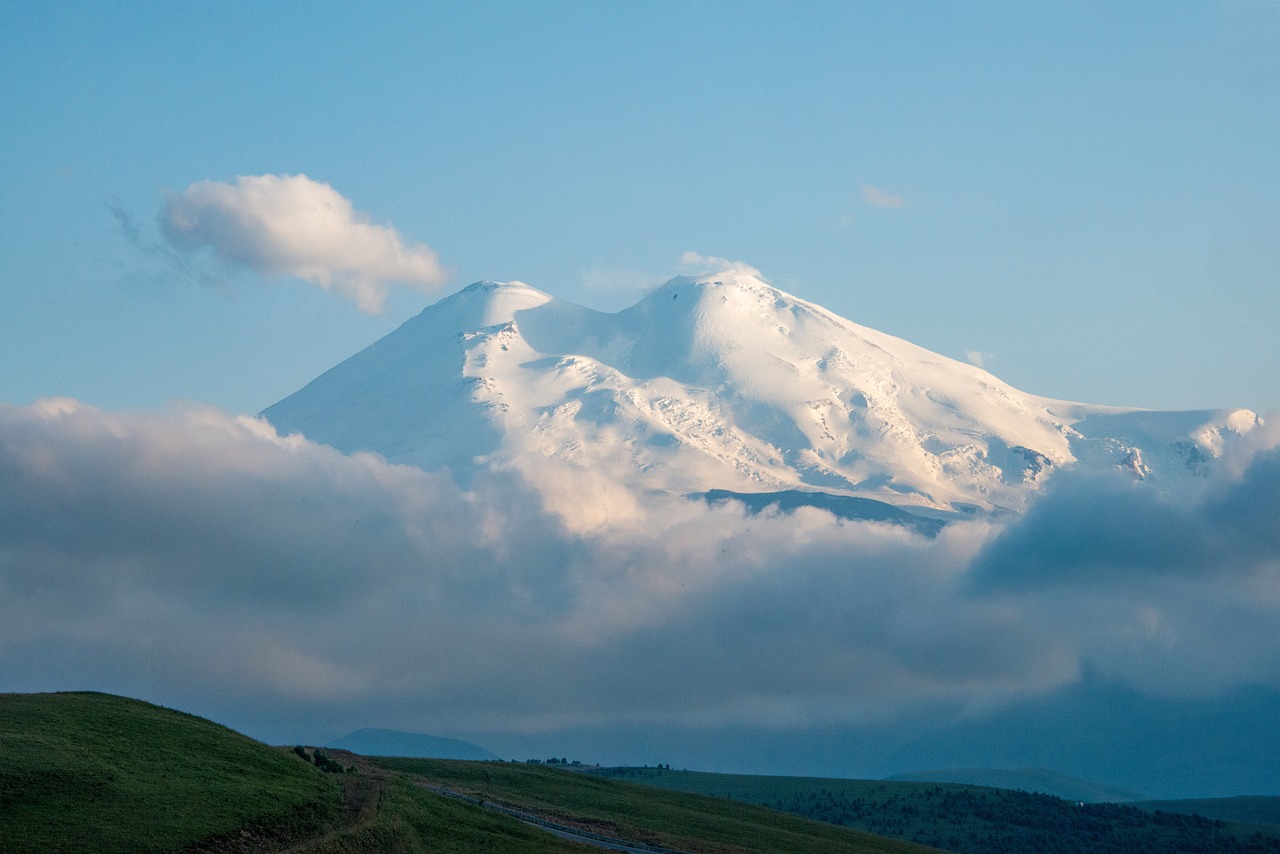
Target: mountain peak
x=730, y=279
x=489, y=303
x=736, y=290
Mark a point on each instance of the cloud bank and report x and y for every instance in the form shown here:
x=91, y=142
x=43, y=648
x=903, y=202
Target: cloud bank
x=290, y=225
x=204, y=561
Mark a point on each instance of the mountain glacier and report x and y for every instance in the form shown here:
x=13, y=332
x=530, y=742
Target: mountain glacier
x=725, y=383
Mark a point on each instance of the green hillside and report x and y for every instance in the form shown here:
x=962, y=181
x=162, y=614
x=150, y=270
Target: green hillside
x=82, y=772
x=94, y=772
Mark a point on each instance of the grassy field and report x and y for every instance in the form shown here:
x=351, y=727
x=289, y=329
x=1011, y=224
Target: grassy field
x=665, y=818
x=406, y=818
x=980, y=819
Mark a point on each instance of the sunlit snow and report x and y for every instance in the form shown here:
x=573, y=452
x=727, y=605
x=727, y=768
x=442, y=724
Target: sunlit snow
x=724, y=382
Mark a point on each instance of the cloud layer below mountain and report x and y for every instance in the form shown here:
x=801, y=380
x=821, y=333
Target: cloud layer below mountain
x=201, y=560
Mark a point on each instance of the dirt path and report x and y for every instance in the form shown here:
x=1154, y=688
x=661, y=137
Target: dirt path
x=361, y=800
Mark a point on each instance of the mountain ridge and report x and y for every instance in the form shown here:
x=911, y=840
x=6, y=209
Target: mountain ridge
x=725, y=382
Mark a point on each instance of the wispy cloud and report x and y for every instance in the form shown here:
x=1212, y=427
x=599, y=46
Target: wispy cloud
x=171, y=261
x=291, y=225
x=693, y=263
x=879, y=198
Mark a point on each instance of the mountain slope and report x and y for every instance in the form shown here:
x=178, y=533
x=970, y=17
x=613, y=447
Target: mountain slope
x=723, y=382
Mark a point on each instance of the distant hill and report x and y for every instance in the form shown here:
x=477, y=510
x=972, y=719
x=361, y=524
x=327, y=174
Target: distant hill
x=390, y=742
x=1041, y=780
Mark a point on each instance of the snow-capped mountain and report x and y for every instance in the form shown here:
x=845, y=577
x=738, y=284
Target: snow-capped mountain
x=724, y=382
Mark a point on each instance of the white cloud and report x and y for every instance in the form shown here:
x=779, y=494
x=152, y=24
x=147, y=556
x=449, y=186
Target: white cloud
x=290, y=225
x=692, y=263
x=978, y=358
x=879, y=198
x=203, y=561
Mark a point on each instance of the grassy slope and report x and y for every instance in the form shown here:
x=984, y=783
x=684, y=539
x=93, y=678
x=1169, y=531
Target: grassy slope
x=94, y=772
x=669, y=819
x=409, y=819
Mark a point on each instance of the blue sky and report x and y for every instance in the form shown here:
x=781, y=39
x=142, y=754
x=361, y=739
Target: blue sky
x=1086, y=193
x=1082, y=196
